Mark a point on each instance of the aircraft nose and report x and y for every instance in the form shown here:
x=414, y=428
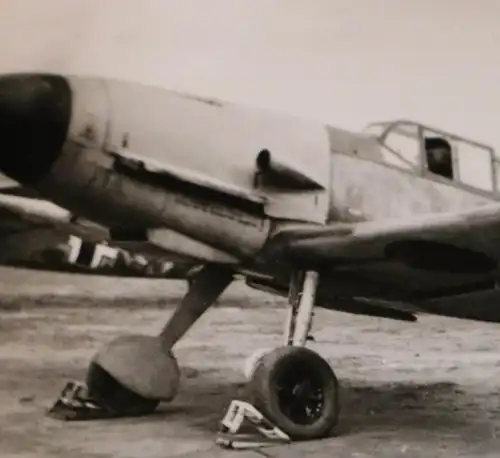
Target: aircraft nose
x=35, y=112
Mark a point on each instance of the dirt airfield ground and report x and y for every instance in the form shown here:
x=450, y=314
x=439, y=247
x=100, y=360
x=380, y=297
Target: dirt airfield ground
x=429, y=389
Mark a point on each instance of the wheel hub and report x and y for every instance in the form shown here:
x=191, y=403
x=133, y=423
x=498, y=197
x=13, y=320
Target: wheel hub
x=300, y=398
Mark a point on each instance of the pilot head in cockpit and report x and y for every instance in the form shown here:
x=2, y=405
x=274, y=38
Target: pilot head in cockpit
x=439, y=157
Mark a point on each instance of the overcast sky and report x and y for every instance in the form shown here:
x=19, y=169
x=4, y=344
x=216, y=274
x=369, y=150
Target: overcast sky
x=347, y=62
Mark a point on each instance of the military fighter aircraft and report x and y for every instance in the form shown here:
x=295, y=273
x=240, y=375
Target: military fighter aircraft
x=395, y=221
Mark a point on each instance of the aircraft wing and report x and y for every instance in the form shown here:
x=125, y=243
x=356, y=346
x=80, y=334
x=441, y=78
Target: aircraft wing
x=36, y=234
x=437, y=250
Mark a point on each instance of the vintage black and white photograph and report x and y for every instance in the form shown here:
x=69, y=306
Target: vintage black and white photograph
x=249, y=228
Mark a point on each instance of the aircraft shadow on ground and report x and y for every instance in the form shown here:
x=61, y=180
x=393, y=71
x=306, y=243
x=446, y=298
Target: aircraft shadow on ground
x=402, y=405
x=201, y=402
x=438, y=407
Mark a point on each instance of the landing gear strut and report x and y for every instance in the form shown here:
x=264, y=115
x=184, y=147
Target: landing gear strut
x=132, y=374
x=293, y=386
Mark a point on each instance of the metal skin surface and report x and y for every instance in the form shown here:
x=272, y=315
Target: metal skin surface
x=213, y=147
x=308, y=211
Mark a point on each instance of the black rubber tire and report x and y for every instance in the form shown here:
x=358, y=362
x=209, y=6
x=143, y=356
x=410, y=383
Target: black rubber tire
x=282, y=365
x=111, y=394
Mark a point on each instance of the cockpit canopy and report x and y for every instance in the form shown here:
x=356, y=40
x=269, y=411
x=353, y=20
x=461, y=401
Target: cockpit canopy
x=428, y=151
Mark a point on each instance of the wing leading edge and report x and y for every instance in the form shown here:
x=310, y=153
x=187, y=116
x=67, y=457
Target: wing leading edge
x=429, y=261
x=466, y=242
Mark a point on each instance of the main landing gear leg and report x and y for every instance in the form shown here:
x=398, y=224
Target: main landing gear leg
x=133, y=373
x=293, y=386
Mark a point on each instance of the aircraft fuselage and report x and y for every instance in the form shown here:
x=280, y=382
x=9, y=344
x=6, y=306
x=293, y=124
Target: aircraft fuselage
x=220, y=142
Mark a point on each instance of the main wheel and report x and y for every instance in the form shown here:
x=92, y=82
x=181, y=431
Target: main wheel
x=298, y=391
x=112, y=395
x=132, y=374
